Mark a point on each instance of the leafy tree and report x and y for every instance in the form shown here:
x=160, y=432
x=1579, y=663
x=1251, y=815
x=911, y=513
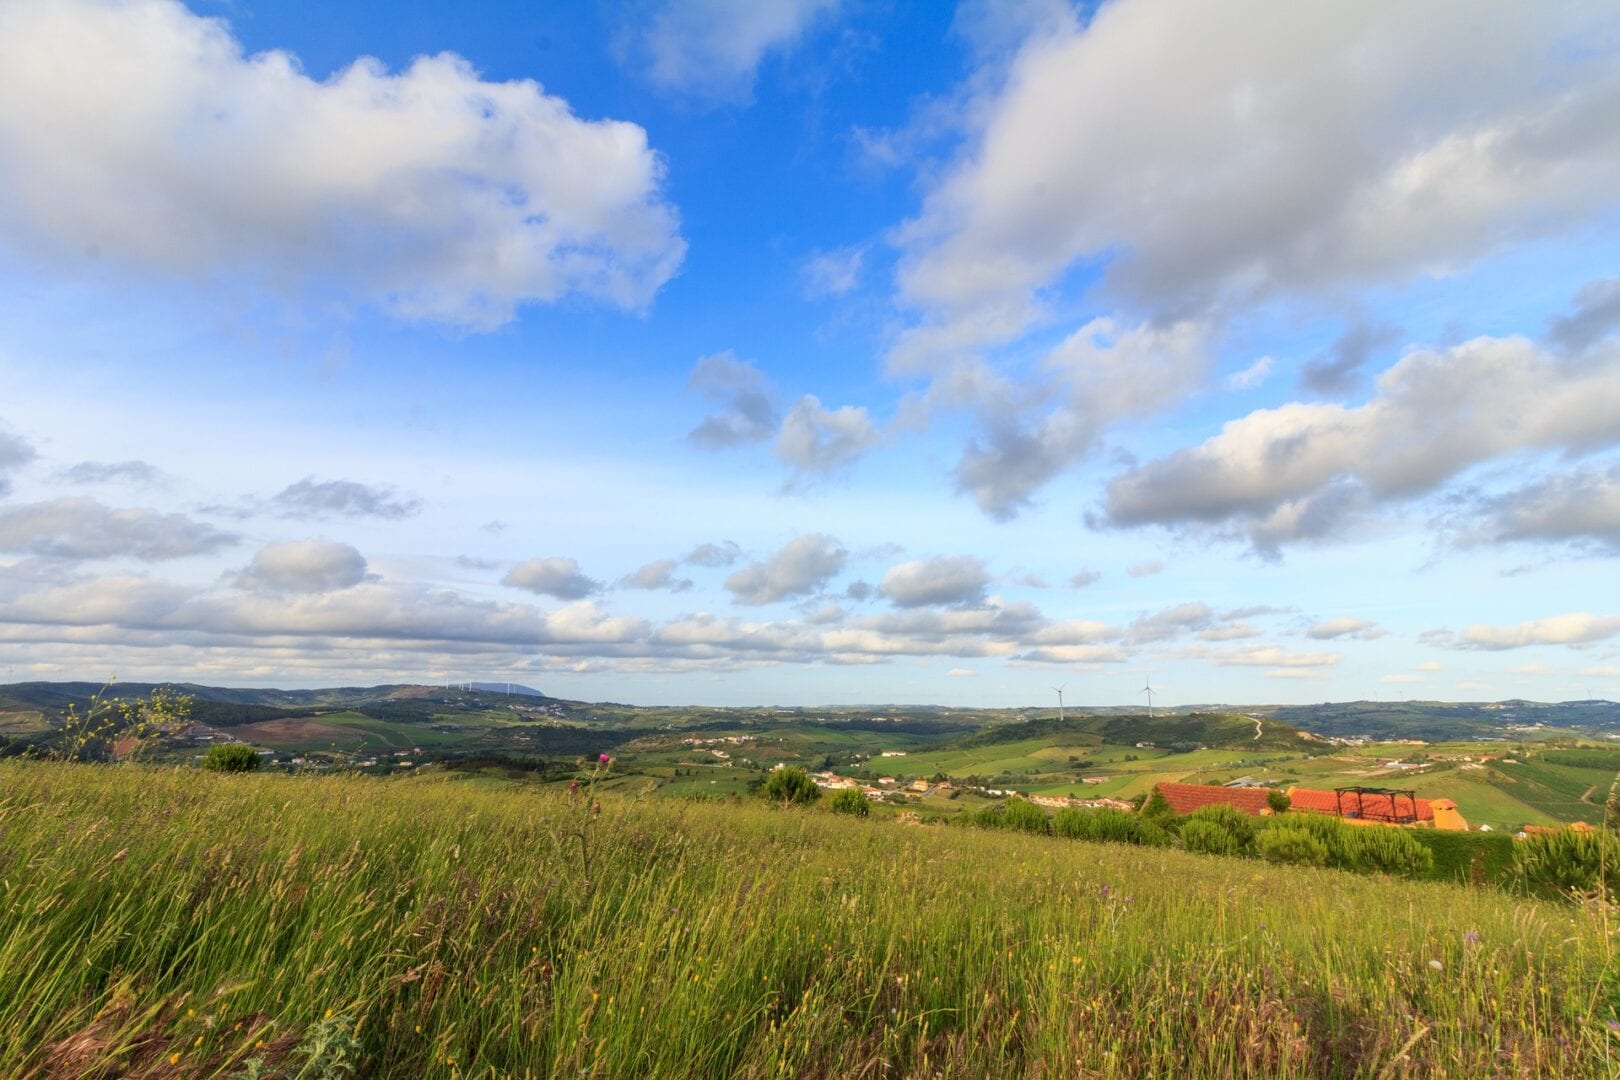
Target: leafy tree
x=231, y=758
x=850, y=801
x=789, y=786
x=1278, y=801
x=1157, y=808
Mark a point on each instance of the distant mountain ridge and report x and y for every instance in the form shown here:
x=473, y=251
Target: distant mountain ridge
x=1207, y=724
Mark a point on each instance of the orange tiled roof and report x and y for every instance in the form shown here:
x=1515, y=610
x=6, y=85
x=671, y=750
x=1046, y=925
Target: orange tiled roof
x=1185, y=798
x=1367, y=807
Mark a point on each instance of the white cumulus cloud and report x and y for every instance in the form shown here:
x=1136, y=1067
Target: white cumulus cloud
x=304, y=566
x=799, y=568
x=1294, y=146
x=1300, y=471
x=948, y=579
x=143, y=133
x=554, y=576
x=710, y=49
x=78, y=528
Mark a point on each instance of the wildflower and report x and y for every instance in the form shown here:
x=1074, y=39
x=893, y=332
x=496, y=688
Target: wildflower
x=573, y=785
x=174, y=1059
x=1435, y=965
x=604, y=759
x=329, y=1014
x=1472, y=937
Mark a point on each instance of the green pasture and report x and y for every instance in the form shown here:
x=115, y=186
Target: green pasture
x=201, y=925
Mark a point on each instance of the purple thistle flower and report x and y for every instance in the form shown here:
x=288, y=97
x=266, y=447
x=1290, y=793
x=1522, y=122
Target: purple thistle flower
x=1472, y=937
x=604, y=759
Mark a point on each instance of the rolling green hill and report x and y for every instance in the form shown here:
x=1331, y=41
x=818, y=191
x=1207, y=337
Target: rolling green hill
x=206, y=925
x=1178, y=731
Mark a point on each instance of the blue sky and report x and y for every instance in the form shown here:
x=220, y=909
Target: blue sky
x=814, y=351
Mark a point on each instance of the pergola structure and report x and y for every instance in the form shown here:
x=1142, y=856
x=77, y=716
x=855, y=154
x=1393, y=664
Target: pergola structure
x=1356, y=807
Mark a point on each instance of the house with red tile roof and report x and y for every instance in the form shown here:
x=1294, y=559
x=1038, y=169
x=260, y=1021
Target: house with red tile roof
x=1389, y=808
x=1373, y=807
x=1185, y=798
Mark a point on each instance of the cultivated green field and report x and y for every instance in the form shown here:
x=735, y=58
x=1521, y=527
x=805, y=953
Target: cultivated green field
x=1535, y=777
x=169, y=922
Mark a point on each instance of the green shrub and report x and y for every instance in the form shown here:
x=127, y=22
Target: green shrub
x=1070, y=823
x=1388, y=851
x=1329, y=831
x=1238, y=825
x=1024, y=816
x=850, y=801
x=1292, y=844
x=789, y=786
x=1208, y=837
x=232, y=757
x=1155, y=835
x=1565, y=863
x=1104, y=825
x=1278, y=801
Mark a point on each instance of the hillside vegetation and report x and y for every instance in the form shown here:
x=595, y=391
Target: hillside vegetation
x=1197, y=729
x=172, y=922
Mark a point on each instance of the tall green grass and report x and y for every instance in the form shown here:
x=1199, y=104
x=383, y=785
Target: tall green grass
x=171, y=922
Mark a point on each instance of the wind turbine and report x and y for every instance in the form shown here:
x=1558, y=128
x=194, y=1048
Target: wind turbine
x=1059, y=690
x=1147, y=689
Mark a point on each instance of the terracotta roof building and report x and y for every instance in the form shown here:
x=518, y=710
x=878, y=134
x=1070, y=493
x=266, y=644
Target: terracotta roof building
x=1185, y=798
x=1365, y=806
x=1376, y=807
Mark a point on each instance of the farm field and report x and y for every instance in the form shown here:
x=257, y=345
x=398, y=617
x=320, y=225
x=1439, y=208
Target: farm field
x=683, y=752
x=438, y=927
x=1504, y=795
x=21, y=722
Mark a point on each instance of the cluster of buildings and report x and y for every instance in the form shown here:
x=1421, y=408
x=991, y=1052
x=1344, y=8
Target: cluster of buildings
x=828, y=780
x=1065, y=802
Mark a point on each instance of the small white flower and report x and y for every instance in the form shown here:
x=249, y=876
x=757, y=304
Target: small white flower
x=1435, y=965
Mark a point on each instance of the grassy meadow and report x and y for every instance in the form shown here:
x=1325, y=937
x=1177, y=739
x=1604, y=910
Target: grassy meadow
x=167, y=922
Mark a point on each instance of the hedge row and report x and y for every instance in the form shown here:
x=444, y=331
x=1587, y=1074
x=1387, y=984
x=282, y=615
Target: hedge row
x=1556, y=865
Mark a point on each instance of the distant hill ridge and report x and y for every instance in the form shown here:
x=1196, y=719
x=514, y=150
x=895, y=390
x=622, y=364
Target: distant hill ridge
x=1209, y=725
x=225, y=706
x=1203, y=729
